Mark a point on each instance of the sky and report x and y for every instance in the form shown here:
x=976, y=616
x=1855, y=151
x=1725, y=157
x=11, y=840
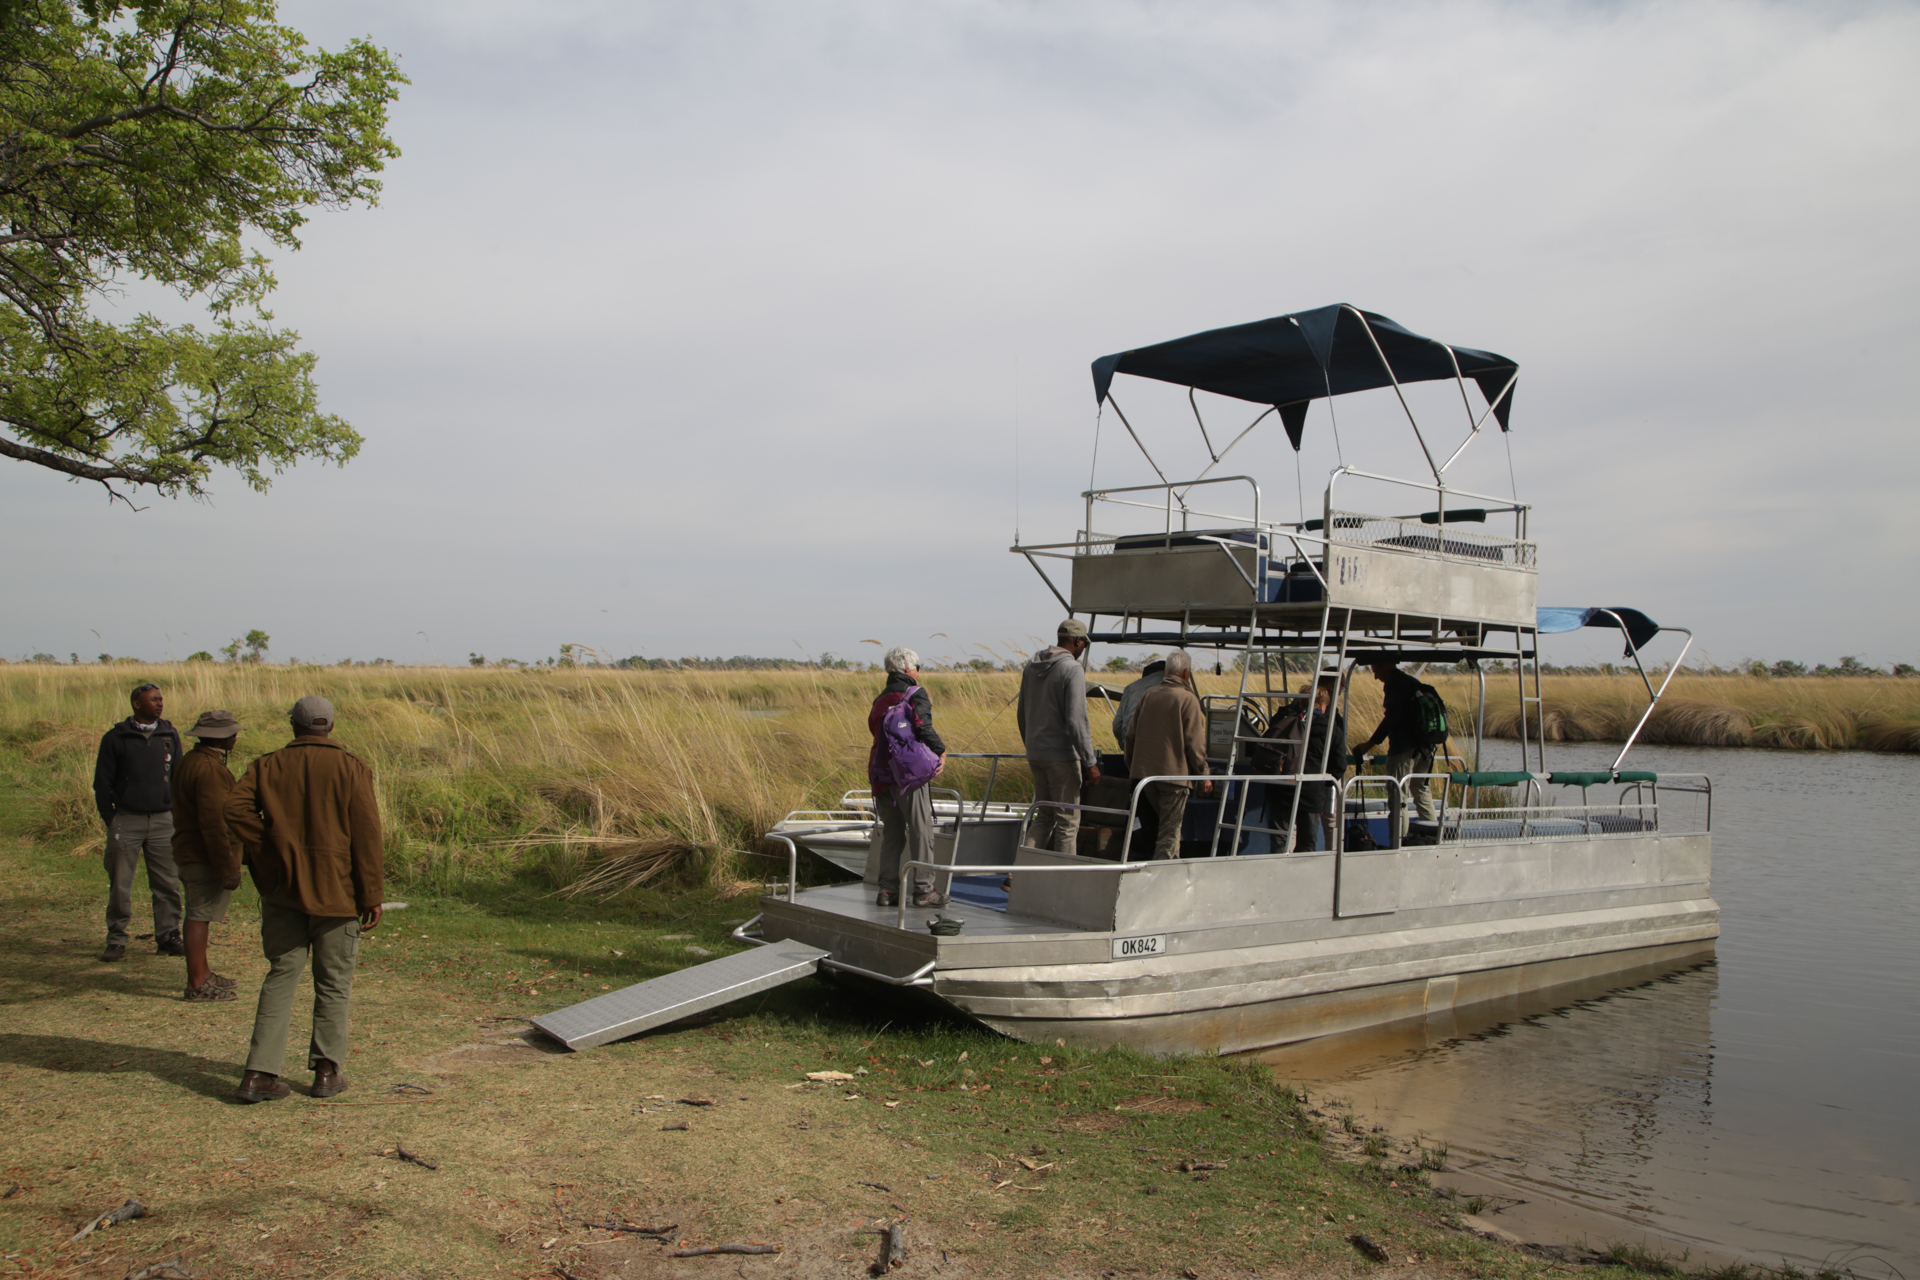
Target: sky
x=729, y=328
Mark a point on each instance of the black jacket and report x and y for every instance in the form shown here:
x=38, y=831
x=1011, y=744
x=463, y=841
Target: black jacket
x=1399, y=726
x=134, y=770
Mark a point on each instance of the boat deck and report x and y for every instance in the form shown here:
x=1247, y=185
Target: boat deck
x=977, y=901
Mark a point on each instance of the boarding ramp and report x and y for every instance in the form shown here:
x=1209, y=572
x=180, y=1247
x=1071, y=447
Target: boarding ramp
x=646, y=1005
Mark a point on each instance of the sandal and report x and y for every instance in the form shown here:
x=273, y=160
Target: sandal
x=932, y=898
x=209, y=992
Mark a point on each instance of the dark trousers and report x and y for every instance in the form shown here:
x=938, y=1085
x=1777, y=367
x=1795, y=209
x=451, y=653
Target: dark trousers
x=129, y=836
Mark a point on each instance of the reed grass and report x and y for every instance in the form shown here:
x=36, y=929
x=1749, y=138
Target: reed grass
x=598, y=780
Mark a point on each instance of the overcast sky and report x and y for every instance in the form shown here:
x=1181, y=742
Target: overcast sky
x=752, y=329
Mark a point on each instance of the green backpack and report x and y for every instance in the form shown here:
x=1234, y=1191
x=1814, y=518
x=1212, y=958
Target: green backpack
x=1429, y=716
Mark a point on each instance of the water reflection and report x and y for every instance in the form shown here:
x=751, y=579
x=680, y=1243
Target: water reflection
x=1762, y=1105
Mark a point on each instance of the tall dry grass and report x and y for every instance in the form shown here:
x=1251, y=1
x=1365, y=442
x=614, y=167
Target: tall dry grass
x=603, y=778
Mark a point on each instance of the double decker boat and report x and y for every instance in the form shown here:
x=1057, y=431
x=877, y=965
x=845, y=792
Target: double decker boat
x=1524, y=879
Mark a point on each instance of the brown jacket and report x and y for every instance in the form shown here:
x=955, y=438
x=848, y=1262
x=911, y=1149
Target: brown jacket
x=201, y=784
x=1168, y=732
x=309, y=810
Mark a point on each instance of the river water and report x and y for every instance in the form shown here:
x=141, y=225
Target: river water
x=1766, y=1105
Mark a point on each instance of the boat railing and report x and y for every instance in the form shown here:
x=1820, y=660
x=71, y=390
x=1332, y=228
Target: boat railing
x=1428, y=534
x=1637, y=809
x=1131, y=813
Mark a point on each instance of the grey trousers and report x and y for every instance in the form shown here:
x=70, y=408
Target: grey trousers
x=1169, y=800
x=1400, y=766
x=128, y=836
x=1056, y=829
x=287, y=935
x=906, y=828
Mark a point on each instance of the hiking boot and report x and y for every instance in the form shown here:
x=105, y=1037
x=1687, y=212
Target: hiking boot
x=887, y=899
x=209, y=992
x=115, y=951
x=222, y=980
x=258, y=1086
x=931, y=898
x=327, y=1080
x=171, y=944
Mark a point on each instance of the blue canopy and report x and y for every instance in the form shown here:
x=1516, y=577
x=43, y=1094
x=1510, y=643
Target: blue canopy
x=1639, y=627
x=1292, y=360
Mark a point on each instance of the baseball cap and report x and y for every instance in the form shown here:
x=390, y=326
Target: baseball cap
x=1073, y=628
x=313, y=712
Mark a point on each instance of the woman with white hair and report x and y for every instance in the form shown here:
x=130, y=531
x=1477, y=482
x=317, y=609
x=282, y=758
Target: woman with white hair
x=906, y=822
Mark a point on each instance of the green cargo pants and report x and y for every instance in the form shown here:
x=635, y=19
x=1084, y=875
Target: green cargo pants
x=287, y=934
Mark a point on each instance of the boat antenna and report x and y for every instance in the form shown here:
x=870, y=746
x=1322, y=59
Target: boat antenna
x=1299, y=485
x=1507, y=437
x=1016, y=451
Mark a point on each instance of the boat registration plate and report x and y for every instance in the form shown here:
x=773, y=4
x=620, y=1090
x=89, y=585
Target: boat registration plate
x=1134, y=948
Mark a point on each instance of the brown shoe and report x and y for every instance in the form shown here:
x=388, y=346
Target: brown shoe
x=258, y=1086
x=931, y=898
x=222, y=980
x=327, y=1080
x=209, y=992
x=115, y=951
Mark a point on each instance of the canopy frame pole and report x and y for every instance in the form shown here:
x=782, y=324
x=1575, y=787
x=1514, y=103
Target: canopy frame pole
x=1136, y=440
x=1204, y=437
x=1481, y=421
x=1236, y=440
x=1672, y=671
x=1394, y=378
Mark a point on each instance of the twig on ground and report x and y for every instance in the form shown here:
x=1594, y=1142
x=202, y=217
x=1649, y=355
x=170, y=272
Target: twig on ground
x=1369, y=1246
x=403, y=1087
x=893, y=1249
x=611, y=1225
x=877, y=1186
x=701, y=1251
x=682, y=1125
x=12, y=1191
x=413, y=1157
x=125, y=1213
x=1199, y=1166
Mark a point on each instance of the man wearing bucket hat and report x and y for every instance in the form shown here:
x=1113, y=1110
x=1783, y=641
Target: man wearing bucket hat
x=308, y=817
x=208, y=858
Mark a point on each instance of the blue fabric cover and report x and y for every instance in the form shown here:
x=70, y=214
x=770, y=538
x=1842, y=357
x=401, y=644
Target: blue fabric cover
x=1640, y=628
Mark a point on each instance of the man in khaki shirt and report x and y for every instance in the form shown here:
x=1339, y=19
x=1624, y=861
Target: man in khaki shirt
x=1168, y=735
x=309, y=811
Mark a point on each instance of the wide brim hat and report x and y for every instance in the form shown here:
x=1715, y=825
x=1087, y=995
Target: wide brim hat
x=214, y=724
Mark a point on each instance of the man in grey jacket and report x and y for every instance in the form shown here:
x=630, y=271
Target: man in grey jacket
x=1053, y=725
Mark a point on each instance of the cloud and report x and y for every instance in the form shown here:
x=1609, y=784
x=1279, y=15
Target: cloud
x=720, y=317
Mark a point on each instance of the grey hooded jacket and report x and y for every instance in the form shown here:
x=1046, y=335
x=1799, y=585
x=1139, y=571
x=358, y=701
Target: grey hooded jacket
x=1053, y=709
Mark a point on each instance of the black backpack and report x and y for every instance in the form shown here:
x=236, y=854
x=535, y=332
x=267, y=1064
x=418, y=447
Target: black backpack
x=1429, y=715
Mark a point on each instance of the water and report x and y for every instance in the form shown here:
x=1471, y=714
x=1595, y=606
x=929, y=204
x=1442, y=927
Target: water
x=1764, y=1105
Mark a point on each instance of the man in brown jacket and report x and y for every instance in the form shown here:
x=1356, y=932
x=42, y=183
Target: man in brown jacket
x=208, y=858
x=1168, y=735
x=309, y=811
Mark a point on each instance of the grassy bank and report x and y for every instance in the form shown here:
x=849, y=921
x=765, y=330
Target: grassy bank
x=1002, y=1158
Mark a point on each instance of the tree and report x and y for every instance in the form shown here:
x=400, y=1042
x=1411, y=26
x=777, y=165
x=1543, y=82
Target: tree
x=146, y=140
x=255, y=643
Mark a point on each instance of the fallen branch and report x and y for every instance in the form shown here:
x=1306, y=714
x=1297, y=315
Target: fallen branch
x=125, y=1213
x=160, y=1271
x=406, y=1088
x=701, y=1251
x=611, y=1225
x=877, y=1186
x=413, y=1157
x=1199, y=1166
x=893, y=1251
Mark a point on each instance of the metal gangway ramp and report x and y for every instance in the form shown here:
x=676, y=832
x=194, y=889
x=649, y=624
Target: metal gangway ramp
x=681, y=994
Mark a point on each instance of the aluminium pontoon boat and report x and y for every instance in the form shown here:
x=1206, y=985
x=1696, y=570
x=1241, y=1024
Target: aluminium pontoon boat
x=1526, y=879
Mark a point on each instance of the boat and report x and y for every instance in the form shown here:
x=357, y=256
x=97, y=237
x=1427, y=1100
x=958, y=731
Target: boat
x=1524, y=880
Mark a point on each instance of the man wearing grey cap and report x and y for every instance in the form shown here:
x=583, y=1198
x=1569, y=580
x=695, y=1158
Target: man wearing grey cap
x=208, y=858
x=1053, y=725
x=308, y=816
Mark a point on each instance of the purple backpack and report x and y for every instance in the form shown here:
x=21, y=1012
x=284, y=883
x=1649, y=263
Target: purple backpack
x=910, y=762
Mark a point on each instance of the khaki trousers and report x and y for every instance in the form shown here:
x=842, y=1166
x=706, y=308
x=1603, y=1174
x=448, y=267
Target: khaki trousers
x=287, y=935
x=1056, y=829
x=1169, y=801
x=128, y=836
x=906, y=827
x=1399, y=766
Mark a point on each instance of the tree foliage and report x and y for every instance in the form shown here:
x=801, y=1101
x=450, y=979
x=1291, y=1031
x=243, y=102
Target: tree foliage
x=149, y=141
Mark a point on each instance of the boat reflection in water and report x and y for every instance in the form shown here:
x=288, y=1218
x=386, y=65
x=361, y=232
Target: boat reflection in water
x=1590, y=1095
